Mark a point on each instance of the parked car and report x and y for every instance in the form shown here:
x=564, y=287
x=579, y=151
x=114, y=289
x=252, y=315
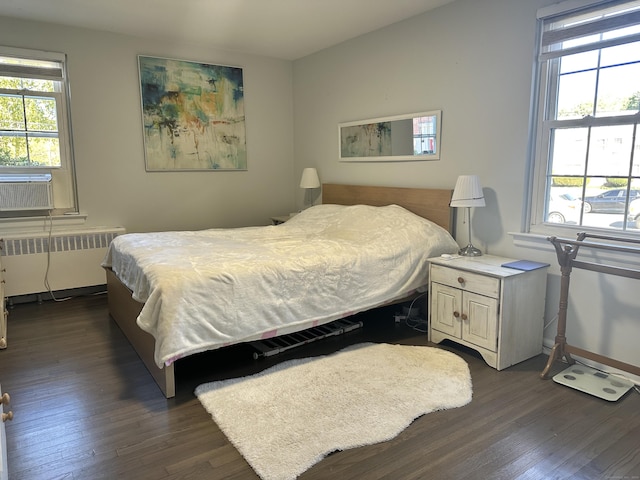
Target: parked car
x=634, y=213
x=611, y=201
x=569, y=197
x=563, y=208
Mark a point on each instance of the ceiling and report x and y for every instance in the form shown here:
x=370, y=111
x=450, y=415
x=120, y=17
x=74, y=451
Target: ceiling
x=286, y=29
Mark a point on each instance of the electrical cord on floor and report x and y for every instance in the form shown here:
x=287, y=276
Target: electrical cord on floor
x=46, y=273
x=416, y=324
x=550, y=322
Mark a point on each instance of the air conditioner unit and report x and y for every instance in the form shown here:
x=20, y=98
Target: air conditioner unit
x=25, y=193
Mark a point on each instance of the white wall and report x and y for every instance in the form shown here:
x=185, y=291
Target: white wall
x=113, y=187
x=473, y=59
x=457, y=58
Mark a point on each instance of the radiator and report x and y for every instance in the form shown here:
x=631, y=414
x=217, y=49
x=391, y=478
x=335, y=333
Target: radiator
x=16, y=196
x=74, y=260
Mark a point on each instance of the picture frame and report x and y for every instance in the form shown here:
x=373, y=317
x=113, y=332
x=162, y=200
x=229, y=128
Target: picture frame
x=192, y=114
x=408, y=137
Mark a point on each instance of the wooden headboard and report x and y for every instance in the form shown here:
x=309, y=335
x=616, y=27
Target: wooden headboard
x=432, y=204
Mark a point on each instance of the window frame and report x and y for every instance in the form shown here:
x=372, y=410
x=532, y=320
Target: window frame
x=63, y=177
x=543, y=108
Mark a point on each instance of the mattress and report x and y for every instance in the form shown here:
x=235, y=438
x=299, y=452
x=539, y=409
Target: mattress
x=211, y=288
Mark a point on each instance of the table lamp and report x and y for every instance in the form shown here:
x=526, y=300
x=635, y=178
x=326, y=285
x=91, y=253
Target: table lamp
x=468, y=193
x=308, y=181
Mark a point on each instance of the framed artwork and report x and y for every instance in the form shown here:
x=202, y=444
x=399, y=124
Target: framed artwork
x=410, y=137
x=193, y=115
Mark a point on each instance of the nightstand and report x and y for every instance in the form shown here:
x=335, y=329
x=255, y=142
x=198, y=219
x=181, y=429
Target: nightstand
x=3, y=304
x=4, y=416
x=497, y=311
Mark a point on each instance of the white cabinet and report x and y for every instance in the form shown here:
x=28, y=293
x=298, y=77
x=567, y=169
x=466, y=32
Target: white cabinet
x=497, y=311
x=4, y=416
x=3, y=304
x=4, y=398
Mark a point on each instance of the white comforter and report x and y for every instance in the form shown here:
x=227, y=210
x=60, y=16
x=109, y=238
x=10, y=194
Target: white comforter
x=207, y=289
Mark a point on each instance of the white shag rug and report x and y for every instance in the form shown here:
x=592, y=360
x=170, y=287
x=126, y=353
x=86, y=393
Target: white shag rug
x=289, y=417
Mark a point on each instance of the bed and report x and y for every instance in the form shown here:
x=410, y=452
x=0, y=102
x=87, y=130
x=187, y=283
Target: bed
x=175, y=294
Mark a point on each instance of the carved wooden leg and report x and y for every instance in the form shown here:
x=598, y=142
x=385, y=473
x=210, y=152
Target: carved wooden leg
x=565, y=257
x=553, y=356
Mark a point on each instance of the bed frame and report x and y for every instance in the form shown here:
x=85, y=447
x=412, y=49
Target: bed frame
x=432, y=204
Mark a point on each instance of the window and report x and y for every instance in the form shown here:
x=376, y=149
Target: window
x=587, y=142
x=424, y=135
x=34, y=123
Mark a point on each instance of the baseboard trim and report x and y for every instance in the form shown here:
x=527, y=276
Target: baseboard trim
x=58, y=294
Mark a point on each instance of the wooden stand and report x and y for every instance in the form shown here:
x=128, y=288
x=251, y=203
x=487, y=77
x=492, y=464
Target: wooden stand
x=567, y=250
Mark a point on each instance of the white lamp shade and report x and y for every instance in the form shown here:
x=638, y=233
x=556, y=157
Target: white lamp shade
x=309, y=178
x=467, y=192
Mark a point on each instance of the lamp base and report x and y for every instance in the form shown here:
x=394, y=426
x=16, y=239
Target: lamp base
x=470, y=251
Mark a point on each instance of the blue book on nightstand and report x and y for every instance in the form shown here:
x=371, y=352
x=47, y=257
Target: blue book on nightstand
x=525, y=265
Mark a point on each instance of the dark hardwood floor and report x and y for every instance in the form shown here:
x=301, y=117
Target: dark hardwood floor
x=86, y=408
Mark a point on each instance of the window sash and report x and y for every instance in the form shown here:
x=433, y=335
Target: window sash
x=552, y=33
x=30, y=133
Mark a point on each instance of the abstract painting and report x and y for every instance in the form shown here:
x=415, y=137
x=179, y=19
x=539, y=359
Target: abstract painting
x=193, y=115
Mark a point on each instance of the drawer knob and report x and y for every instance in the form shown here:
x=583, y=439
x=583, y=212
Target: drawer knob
x=7, y=416
x=5, y=399
x=460, y=280
x=464, y=316
x=456, y=314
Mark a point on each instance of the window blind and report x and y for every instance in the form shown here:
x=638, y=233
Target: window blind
x=580, y=30
x=49, y=69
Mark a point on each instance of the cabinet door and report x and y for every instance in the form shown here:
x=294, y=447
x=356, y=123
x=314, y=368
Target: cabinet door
x=445, y=309
x=481, y=322
x=3, y=309
x=4, y=473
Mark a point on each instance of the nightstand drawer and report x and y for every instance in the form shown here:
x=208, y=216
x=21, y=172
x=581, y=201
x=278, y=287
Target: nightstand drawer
x=471, y=282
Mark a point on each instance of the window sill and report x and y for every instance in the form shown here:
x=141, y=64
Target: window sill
x=41, y=223
x=538, y=241
x=531, y=240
